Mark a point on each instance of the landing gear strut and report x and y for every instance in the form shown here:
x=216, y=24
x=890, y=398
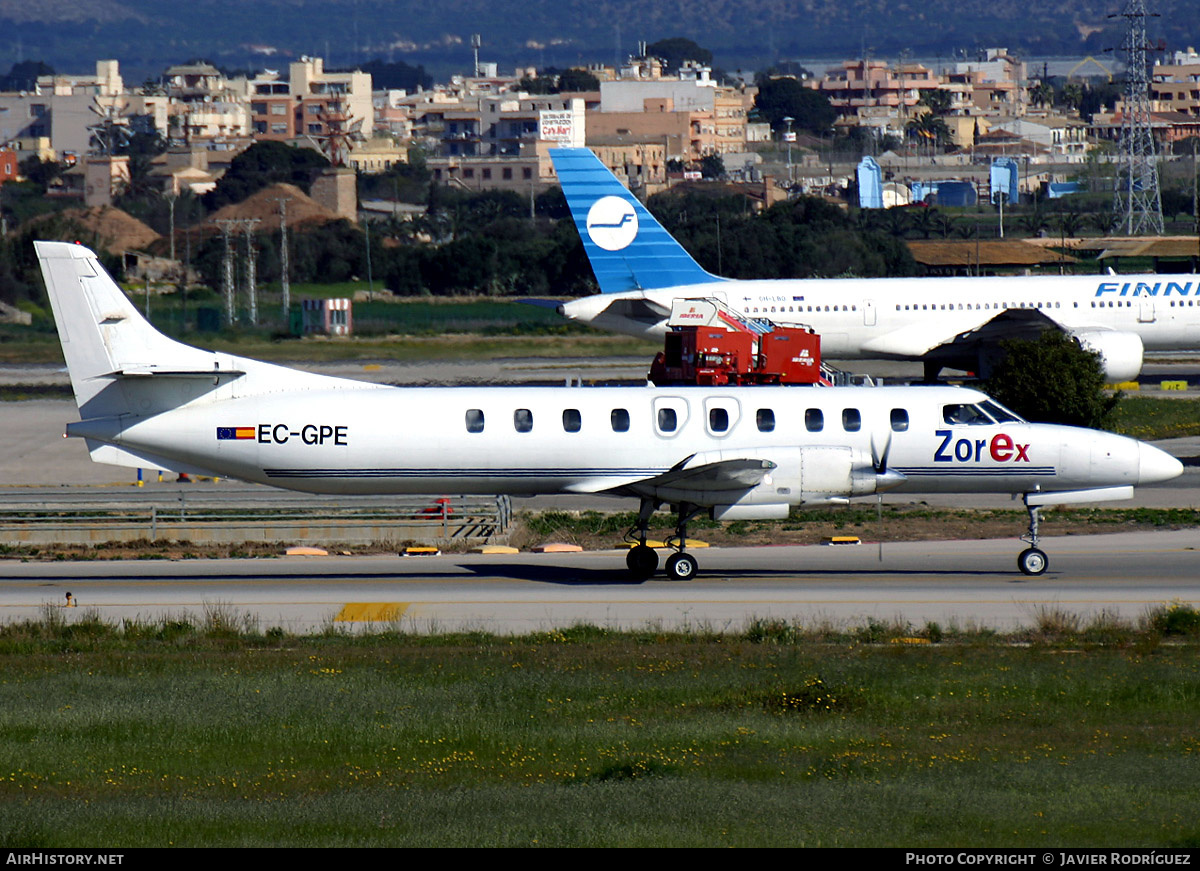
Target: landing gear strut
x=1033, y=560
x=641, y=559
x=682, y=566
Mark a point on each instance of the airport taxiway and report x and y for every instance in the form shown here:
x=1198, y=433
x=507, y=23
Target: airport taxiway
x=953, y=583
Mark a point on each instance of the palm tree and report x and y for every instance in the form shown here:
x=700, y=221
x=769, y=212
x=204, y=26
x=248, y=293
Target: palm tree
x=1069, y=223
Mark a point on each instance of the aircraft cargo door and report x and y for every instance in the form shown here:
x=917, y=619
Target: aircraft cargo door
x=868, y=312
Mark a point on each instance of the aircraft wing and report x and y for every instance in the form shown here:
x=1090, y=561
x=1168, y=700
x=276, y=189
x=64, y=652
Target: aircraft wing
x=706, y=478
x=962, y=329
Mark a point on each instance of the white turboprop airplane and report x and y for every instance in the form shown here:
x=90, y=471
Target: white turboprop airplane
x=955, y=322
x=146, y=400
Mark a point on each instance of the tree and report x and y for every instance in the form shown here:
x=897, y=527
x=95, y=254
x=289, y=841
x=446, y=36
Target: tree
x=783, y=98
x=554, y=81
x=936, y=100
x=1051, y=380
x=24, y=75
x=712, y=166
x=577, y=80
x=264, y=164
x=677, y=49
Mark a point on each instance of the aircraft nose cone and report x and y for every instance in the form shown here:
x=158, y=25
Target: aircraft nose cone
x=1156, y=465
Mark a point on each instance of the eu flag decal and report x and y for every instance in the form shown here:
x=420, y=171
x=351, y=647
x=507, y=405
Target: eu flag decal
x=234, y=432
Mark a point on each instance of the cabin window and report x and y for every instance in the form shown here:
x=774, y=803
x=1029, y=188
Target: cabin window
x=851, y=419
x=474, y=420
x=620, y=419
x=668, y=421
x=899, y=419
x=522, y=420
x=718, y=419
x=572, y=420
x=765, y=419
x=814, y=420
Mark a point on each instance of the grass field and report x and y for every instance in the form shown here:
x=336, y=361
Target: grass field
x=179, y=734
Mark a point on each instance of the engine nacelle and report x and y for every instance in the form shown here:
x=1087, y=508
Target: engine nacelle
x=1120, y=353
x=819, y=475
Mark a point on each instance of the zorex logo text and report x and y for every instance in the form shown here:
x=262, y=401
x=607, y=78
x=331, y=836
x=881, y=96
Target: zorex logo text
x=1000, y=448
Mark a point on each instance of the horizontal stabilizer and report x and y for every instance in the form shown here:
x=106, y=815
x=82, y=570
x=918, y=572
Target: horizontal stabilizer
x=115, y=456
x=148, y=372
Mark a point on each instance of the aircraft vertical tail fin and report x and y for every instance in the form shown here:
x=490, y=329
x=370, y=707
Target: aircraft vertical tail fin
x=628, y=248
x=102, y=334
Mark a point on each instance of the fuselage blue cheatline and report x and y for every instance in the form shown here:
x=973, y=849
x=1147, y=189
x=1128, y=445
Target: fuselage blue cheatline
x=942, y=321
x=146, y=400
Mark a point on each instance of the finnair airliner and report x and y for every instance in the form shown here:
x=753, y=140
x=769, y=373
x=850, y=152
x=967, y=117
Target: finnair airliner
x=146, y=400
x=955, y=322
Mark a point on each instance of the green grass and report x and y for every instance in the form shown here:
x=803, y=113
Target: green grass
x=213, y=734
x=1146, y=417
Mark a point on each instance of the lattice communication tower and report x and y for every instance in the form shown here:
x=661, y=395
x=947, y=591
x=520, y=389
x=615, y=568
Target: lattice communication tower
x=1137, y=203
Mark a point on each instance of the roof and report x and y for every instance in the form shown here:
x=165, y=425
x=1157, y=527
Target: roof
x=263, y=205
x=991, y=252
x=111, y=229
x=1149, y=246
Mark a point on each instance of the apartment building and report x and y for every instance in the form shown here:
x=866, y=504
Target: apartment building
x=1175, y=87
x=691, y=115
x=502, y=141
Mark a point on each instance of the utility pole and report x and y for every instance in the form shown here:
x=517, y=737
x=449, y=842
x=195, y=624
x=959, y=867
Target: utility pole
x=789, y=137
x=248, y=224
x=1137, y=202
x=284, y=278
x=227, y=225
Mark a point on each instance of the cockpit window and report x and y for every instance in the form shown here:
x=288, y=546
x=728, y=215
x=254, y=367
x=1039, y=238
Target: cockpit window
x=999, y=413
x=971, y=415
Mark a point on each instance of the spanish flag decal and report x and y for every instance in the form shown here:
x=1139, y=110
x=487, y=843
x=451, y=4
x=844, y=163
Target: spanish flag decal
x=234, y=432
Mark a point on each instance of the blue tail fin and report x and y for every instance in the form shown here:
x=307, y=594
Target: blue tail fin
x=628, y=248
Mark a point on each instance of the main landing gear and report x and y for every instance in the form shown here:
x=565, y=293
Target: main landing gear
x=1033, y=560
x=642, y=561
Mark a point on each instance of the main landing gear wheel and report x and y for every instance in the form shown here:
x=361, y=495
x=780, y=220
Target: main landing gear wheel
x=642, y=562
x=1032, y=561
x=682, y=567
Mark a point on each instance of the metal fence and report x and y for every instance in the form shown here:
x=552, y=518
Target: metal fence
x=81, y=520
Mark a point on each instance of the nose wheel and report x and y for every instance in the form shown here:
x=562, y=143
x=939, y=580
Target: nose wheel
x=1033, y=560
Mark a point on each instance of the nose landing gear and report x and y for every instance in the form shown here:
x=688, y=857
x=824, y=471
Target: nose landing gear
x=1032, y=560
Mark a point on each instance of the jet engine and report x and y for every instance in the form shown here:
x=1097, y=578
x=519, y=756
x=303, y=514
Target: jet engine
x=1120, y=352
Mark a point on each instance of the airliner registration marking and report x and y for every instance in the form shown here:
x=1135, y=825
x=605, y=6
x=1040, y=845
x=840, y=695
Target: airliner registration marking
x=281, y=434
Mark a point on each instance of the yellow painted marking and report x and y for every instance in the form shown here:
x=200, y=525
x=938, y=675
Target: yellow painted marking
x=842, y=539
x=1174, y=385
x=421, y=551
x=371, y=612
x=1125, y=385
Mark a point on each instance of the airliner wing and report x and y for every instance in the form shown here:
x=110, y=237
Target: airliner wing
x=961, y=329
x=695, y=479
